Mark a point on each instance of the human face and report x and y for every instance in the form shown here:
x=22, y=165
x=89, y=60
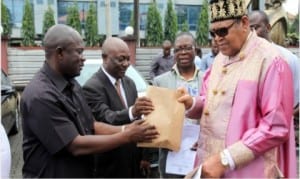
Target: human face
x=116, y=62
x=231, y=43
x=167, y=50
x=257, y=24
x=184, y=51
x=72, y=59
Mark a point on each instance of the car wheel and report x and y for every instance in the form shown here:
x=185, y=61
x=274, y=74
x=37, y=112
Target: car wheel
x=16, y=126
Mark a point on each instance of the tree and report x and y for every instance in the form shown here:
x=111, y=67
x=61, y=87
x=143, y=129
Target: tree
x=5, y=20
x=131, y=22
x=73, y=18
x=28, y=31
x=202, y=25
x=48, y=20
x=171, y=26
x=185, y=27
x=154, y=32
x=91, y=27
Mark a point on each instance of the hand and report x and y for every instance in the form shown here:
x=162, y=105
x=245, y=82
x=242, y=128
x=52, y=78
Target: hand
x=191, y=174
x=212, y=167
x=195, y=146
x=145, y=167
x=142, y=106
x=186, y=99
x=139, y=131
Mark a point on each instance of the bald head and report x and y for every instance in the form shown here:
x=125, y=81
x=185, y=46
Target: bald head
x=60, y=36
x=113, y=44
x=116, y=57
x=259, y=22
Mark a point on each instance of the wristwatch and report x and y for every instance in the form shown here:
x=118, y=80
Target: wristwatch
x=224, y=160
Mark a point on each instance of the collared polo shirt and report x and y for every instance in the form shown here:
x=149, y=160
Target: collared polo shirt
x=51, y=120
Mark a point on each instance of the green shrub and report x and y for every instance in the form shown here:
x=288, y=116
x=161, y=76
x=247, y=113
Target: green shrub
x=48, y=20
x=170, y=25
x=5, y=20
x=73, y=18
x=154, y=32
x=203, y=26
x=185, y=27
x=28, y=32
x=91, y=27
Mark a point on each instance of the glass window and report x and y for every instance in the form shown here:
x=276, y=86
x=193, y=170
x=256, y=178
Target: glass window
x=188, y=13
x=15, y=8
x=50, y=1
x=143, y=15
x=83, y=7
x=125, y=10
x=40, y=1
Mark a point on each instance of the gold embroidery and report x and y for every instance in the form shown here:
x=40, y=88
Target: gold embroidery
x=223, y=9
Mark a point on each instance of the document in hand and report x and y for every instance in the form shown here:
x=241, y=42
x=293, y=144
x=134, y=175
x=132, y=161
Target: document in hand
x=167, y=117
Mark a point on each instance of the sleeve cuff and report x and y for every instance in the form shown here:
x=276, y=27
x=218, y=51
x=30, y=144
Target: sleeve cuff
x=130, y=114
x=240, y=154
x=192, y=107
x=229, y=158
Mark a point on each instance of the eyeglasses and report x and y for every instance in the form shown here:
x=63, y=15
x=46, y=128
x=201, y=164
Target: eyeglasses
x=186, y=48
x=221, y=32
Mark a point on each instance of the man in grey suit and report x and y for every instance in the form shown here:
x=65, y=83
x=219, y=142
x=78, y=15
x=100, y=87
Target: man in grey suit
x=113, y=99
x=183, y=74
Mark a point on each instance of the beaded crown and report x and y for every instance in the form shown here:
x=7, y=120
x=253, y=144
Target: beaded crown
x=226, y=9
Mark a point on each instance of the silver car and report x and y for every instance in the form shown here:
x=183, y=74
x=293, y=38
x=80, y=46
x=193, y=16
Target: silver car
x=10, y=111
x=91, y=66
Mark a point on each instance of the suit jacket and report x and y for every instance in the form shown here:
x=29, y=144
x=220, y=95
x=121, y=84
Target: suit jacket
x=102, y=97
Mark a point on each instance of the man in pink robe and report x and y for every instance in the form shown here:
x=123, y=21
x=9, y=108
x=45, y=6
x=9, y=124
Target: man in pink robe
x=246, y=103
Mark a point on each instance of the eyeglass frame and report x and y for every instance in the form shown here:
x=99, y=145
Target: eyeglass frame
x=185, y=48
x=221, y=32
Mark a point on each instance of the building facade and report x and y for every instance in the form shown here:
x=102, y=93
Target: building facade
x=120, y=13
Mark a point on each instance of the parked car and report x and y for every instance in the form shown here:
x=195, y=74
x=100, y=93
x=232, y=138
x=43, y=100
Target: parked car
x=91, y=66
x=10, y=111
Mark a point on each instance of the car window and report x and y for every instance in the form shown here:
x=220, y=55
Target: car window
x=4, y=79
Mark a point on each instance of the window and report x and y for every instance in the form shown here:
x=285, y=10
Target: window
x=83, y=7
x=15, y=8
x=143, y=16
x=188, y=13
x=125, y=9
x=51, y=2
x=40, y=1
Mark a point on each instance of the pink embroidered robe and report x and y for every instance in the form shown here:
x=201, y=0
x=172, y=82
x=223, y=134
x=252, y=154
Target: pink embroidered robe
x=247, y=105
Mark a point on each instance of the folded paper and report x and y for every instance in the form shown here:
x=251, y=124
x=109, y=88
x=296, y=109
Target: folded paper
x=167, y=117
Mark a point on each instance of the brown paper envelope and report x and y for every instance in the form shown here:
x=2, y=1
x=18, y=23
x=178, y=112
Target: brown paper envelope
x=167, y=117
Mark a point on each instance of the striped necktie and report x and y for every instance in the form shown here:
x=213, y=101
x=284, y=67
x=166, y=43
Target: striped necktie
x=118, y=88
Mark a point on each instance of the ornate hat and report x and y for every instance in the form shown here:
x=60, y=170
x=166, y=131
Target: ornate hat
x=226, y=9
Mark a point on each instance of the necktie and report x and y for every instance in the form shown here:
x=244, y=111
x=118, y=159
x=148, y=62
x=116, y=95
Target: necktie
x=118, y=88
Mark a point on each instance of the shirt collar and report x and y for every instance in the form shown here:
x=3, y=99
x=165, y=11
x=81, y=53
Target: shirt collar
x=111, y=78
x=175, y=70
x=59, y=81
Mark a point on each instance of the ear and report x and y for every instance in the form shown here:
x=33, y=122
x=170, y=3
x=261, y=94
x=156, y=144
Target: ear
x=269, y=28
x=59, y=52
x=245, y=22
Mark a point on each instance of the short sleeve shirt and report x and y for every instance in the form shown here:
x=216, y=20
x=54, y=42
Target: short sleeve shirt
x=51, y=120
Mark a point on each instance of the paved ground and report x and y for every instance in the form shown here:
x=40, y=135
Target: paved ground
x=17, y=155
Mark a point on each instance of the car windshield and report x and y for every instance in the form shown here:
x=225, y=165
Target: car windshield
x=91, y=66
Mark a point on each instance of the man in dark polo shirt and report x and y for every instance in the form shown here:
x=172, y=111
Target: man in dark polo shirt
x=60, y=134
